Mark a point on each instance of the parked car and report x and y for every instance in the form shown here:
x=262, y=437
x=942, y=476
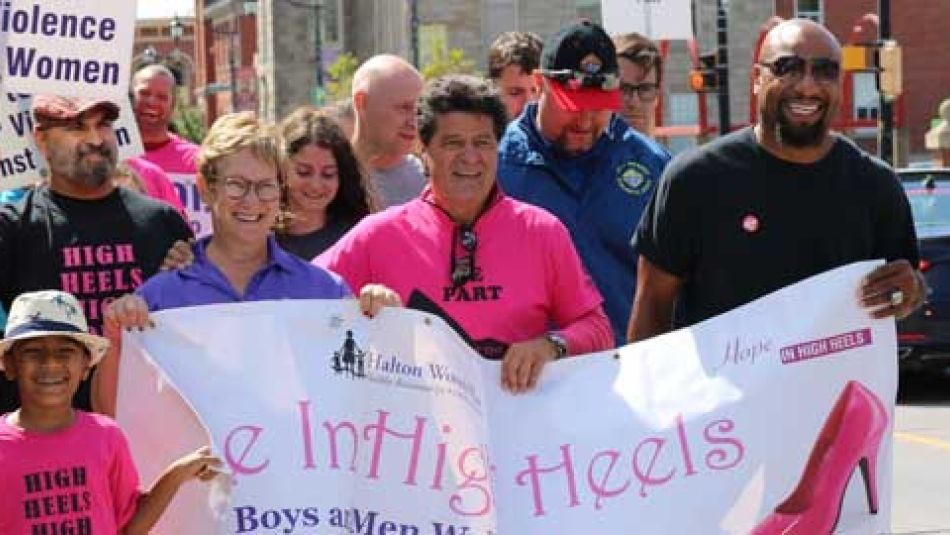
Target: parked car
x=924, y=338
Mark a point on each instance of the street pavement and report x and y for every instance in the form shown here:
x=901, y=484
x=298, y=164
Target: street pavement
x=921, y=492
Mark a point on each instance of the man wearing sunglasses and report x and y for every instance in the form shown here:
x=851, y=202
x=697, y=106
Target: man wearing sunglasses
x=569, y=154
x=503, y=273
x=775, y=203
x=79, y=232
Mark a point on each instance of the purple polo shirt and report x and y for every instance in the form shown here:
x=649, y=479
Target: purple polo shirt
x=283, y=277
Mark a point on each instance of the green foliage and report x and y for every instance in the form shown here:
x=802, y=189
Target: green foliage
x=188, y=122
x=447, y=61
x=341, y=73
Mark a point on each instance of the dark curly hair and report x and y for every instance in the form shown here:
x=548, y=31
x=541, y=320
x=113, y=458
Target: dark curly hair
x=459, y=92
x=309, y=126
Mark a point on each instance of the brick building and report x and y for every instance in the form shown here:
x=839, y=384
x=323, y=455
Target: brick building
x=226, y=41
x=288, y=47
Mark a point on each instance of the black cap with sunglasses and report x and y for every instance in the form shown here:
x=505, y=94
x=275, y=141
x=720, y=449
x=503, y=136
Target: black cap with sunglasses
x=581, y=62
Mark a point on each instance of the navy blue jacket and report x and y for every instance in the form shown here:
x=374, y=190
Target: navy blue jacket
x=599, y=196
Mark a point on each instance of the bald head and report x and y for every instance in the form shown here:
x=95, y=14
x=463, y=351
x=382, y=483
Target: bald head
x=151, y=71
x=383, y=70
x=803, y=37
x=153, y=101
x=385, y=91
x=798, y=90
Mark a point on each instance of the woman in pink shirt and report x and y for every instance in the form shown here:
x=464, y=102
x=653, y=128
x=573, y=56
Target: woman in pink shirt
x=156, y=182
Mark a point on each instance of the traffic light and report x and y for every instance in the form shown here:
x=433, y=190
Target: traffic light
x=855, y=58
x=890, y=79
x=705, y=79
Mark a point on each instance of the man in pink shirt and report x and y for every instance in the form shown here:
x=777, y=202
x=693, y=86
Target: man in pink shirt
x=503, y=273
x=153, y=101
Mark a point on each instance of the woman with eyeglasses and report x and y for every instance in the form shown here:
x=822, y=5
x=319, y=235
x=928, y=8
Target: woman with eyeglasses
x=327, y=192
x=239, y=178
x=503, y=273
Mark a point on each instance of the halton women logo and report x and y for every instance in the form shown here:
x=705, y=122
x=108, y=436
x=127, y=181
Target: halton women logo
x=349, y=360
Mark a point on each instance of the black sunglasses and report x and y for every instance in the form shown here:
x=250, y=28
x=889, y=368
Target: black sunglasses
x=463, y=268
x=824, y=70
x=575, y=79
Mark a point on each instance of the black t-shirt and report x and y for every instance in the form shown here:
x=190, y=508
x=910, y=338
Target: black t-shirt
x=96, y=250
x=735, y=222
x=309, y=246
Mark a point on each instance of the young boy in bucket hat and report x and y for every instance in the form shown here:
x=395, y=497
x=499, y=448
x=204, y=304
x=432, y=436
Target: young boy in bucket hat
x=63, y=470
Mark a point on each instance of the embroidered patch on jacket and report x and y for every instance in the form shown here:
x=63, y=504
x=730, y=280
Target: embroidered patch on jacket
x=634, y=178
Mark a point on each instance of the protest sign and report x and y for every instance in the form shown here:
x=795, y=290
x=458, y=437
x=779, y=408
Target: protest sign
x=20, y=159
x=334, y=423
x=656, y=19
x=67, y=47
x=198, y=212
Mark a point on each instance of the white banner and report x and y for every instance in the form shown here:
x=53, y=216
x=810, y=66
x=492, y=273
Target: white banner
x=20, y=160
x=332, y=423
x=67, y=47
x=656, y=19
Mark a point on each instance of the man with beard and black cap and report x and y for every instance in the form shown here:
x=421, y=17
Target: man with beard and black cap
x=78, y=232
x=775, y=203
x=571, y=155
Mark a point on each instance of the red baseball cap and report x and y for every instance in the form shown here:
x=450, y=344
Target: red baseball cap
x=54, y=108
x=580, y=62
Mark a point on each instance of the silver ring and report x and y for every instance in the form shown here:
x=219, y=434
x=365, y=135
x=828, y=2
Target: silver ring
x=896, y=297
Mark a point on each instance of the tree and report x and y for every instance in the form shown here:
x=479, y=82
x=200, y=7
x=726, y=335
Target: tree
x=341, y=73
x=188, y=122
x=447, y=61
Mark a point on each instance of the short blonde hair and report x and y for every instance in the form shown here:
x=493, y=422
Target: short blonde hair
x=231, y=134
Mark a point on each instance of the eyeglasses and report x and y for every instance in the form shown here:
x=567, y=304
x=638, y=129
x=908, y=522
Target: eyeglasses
x=463, y=268
x=578, y=80
x=237, y=188
x=646, y=91
x=792, y=68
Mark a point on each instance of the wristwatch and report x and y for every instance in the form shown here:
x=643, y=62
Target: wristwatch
x=559, y=343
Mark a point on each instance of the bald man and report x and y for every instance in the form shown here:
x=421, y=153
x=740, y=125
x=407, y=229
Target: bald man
x=775, y=203
x=153, y=101
x=385, y=91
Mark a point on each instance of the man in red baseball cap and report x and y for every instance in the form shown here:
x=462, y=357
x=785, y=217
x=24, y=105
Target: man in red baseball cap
x=78, y=232
x=569, y=154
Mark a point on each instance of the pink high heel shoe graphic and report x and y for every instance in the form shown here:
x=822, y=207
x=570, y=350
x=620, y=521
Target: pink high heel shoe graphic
x=849, y=439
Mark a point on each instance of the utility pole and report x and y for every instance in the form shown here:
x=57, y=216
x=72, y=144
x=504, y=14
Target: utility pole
x=414, y=31
x=722, y=65
x=885, y=121
x=318, y=42
x=317, y=7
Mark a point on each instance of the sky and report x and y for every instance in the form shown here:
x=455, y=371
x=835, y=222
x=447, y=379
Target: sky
x=161, y=9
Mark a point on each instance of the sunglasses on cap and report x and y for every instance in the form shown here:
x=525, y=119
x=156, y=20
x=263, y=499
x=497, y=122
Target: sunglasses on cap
x=792, y=68
x=578, y=80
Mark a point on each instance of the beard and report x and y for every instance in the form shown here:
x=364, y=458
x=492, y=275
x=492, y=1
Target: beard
x=78, y=168
x=797, y=135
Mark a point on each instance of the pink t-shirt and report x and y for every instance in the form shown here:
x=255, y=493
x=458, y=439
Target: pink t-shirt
x=77, y=480
x=179, y=159
x=157, y=184
x=178, y=156
x=531, y=278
